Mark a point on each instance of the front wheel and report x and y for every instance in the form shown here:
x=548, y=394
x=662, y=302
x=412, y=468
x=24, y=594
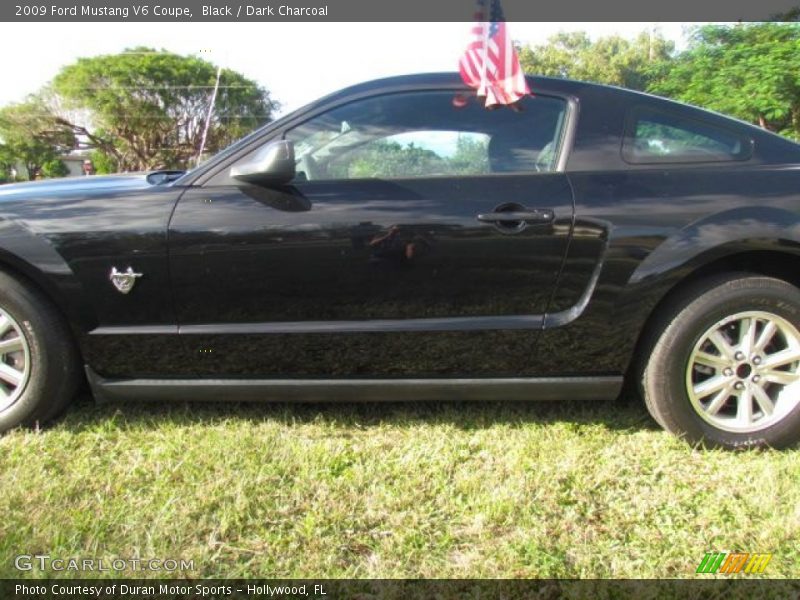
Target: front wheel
x=39, y=367
x=725, y=368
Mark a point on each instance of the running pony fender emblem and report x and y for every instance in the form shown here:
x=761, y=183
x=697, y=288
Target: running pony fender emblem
x=123, y=280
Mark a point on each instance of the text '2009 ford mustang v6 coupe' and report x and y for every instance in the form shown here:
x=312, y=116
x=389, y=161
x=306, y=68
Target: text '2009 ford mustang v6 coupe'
x=396, y=240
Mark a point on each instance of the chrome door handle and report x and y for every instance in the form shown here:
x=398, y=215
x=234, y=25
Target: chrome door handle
x=535, y=215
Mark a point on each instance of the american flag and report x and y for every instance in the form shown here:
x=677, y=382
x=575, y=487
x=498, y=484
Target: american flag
x=490, y=62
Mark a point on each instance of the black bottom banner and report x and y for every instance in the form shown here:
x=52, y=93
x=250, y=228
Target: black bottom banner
x=405, y=589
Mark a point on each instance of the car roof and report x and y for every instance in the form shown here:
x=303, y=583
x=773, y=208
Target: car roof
x=451, y=79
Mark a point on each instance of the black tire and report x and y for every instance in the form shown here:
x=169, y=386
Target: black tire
x=667, y=374
x=53, y=365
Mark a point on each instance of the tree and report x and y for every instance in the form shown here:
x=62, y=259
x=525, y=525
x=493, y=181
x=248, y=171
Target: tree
x=748, y=71
x=7, y=164
x=384, y=159
x=55, y=168
x=471, y=156
x=611, y=60
x=387, y=158
x=144, y=109
x=103, y=163
x=32, y=136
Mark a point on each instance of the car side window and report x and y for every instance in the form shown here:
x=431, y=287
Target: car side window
x=428, y=134
x=415, y=154
x=659, y=137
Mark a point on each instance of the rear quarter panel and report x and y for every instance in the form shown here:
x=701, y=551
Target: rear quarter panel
x=646, y=227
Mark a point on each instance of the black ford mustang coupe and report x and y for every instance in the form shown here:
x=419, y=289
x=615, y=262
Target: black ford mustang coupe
x=396, y=240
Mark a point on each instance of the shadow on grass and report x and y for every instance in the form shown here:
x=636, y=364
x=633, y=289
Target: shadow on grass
x=623, y=414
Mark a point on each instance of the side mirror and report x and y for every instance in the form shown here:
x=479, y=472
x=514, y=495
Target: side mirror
x=273, y=164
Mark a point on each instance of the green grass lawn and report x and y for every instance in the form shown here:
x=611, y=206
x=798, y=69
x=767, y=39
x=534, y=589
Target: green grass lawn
x=394, y=490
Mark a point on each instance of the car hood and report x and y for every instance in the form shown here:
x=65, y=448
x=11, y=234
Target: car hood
x=68, y=186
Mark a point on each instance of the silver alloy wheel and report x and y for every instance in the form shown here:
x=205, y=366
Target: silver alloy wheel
x=743, y=374
x=15, y=361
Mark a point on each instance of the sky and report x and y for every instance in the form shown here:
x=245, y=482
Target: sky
x=297, y=62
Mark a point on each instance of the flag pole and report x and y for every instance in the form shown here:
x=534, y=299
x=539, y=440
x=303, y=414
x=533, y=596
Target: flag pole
x=484, y=67
x=208, y=116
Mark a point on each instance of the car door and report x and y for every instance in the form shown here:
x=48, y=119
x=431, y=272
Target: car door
x=422, y=234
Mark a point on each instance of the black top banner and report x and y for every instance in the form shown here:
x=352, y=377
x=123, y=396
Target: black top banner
x=393, y=10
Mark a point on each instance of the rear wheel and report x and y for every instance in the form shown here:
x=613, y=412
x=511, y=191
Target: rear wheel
x=725, y=366
x=39, y=368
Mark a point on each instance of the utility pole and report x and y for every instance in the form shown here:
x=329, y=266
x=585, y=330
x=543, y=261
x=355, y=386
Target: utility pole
x=650, y=35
